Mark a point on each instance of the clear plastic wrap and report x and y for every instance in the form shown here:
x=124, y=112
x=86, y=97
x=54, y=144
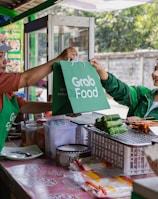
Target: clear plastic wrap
x=101, y=187
x=99, y=178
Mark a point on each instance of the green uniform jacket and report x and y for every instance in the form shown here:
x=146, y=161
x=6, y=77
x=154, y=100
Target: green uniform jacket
x=131, y=96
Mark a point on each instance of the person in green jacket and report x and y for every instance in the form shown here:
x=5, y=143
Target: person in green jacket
x=141, y=101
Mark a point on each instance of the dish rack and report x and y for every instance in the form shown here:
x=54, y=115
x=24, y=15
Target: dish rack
x=124, y=151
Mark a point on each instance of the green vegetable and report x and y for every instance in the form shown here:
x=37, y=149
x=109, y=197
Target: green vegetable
x=98, y=123
x=111, y=117
x=109, y=121
x=114, y=123
x=117, y=130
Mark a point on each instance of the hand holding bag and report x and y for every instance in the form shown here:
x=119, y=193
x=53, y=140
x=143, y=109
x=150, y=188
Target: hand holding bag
x=77, y=88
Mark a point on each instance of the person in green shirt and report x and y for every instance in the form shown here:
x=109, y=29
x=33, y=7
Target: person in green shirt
x=141, y=101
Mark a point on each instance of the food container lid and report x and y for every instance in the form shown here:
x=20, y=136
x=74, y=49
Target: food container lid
x=33, y=126
x=73, y=148
x=41, y=121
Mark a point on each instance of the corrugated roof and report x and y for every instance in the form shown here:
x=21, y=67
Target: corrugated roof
x=24, y=9
x=28, y=5
x=20, y=5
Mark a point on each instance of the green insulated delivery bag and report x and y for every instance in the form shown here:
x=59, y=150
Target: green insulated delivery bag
x=77, y=88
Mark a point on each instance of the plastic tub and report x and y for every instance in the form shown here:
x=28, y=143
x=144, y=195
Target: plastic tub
x=58, y=132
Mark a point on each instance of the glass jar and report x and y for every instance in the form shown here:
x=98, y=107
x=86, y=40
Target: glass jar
x=35, y=135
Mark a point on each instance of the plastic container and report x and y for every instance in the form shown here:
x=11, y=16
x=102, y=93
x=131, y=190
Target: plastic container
x=58, y=132
x=23, y=131
x=41, y=137
x=131, y=159
x=31, y=134
x=65, y=154
x=35, y=135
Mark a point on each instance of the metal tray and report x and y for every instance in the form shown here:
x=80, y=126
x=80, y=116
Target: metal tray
x=131, y=137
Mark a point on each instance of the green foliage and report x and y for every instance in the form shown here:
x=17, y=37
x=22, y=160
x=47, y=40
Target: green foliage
x=116, y=31
x=128, y=29
x=123, y=30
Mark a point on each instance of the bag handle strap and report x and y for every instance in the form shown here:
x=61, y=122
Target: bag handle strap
x=76, y=59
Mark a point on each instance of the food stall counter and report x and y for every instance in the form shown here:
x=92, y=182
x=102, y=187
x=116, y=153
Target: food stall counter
x=40, y=178
x=37, y=178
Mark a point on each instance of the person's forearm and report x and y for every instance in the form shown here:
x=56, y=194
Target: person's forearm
x=100, y=70
x=103, y=74
x=35, y=74
x=36, y=107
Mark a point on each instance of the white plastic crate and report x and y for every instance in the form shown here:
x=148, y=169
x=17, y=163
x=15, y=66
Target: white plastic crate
x=131, y=159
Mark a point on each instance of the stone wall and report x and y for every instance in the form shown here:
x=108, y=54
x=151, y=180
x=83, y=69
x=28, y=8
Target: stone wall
x=134, y=68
